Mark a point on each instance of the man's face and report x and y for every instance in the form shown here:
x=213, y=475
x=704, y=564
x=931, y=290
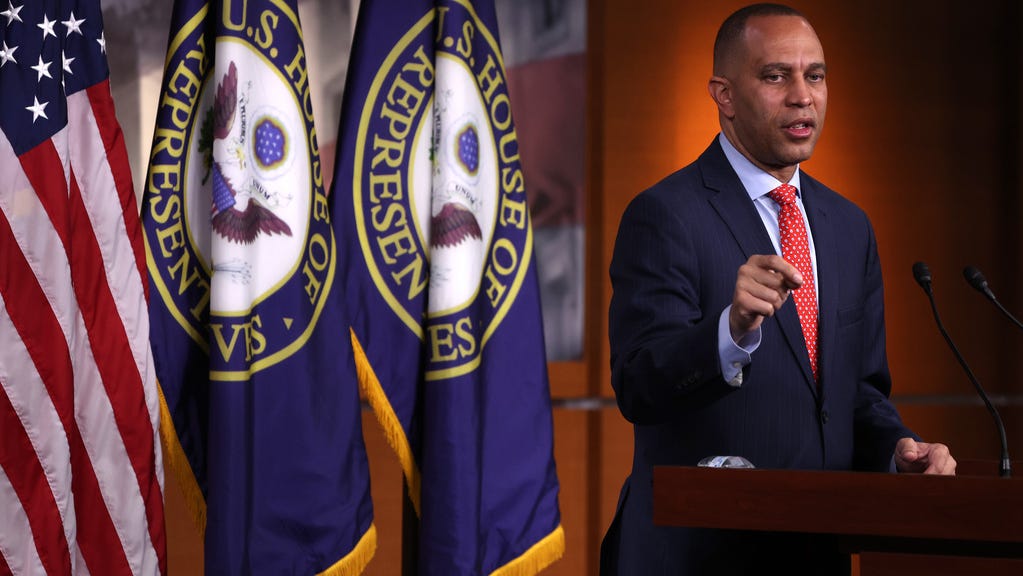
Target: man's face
x=776, y=93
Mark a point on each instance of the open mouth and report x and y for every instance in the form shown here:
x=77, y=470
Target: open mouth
x=800, y=129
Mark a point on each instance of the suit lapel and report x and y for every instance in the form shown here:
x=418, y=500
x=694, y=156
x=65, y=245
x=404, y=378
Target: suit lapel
x=733, y=204
x=826, y=248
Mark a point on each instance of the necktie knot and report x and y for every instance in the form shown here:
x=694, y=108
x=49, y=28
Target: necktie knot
x=784, y=194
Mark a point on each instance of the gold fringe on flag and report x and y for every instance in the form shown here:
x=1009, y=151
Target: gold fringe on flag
x=355, y=562
x=174, y=457
x=370, y=387
x=539, y=556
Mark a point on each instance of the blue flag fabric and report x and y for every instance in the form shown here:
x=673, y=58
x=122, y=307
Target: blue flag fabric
x=261, y=415
x=429, y=204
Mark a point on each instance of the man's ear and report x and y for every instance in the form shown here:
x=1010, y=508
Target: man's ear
x=721, y=91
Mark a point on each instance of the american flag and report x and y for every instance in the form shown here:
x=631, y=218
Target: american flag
x=81, y=472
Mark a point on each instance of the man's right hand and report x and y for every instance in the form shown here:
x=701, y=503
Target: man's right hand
x=761, y=287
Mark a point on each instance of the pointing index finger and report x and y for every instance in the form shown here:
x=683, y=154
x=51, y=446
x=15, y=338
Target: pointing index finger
x=791, y=277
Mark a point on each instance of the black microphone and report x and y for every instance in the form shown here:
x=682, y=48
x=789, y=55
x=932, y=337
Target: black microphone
x=923, y=278
x=979, y=283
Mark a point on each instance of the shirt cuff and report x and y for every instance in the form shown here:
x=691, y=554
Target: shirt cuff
x=734, y=356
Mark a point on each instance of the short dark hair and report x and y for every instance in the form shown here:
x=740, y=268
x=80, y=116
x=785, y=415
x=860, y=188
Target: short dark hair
x=733, y=26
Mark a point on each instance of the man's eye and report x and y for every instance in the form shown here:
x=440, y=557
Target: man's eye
x=815, y=77
x=774, y=78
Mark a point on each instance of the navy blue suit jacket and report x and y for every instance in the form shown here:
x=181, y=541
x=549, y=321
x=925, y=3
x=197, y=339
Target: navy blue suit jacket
x=679, y=247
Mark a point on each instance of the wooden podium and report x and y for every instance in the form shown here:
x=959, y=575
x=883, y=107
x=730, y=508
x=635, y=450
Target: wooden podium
x=976, y=516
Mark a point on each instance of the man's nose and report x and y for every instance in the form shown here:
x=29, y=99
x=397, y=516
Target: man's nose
x=800, y=94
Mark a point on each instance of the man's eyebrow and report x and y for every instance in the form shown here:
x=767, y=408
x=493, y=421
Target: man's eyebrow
x=773, y=67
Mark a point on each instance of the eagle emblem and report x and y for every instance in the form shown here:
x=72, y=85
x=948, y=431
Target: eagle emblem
x=236, y=214
x=455, y=223
x=452, y=225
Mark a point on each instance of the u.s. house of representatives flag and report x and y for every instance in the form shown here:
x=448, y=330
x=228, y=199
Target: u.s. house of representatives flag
x=81, y=470
x=261, y=415
x=430, y=204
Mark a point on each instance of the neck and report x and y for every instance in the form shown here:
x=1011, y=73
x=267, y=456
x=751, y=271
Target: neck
x=781, y=173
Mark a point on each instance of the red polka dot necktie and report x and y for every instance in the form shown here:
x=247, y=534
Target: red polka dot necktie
x=795, y=249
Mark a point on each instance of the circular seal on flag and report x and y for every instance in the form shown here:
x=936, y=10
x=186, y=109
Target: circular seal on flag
x=241, y=184
x=439, y=194
x=256, y=258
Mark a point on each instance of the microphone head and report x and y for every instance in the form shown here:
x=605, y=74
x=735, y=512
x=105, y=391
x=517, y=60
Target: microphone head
x=977, y=280
x=922, y=274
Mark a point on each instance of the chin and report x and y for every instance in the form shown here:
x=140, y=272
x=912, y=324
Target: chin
x=796, y=155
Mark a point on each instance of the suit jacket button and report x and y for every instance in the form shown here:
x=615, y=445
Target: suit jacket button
x=824, y=416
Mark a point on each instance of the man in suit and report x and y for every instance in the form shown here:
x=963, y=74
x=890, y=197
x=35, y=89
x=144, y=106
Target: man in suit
x=748, y=315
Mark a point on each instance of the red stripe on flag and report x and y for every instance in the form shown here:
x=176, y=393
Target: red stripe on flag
x=19, y=461
x=40, y=330
x=37, y=325
x=116, y=363
x=117, y=157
